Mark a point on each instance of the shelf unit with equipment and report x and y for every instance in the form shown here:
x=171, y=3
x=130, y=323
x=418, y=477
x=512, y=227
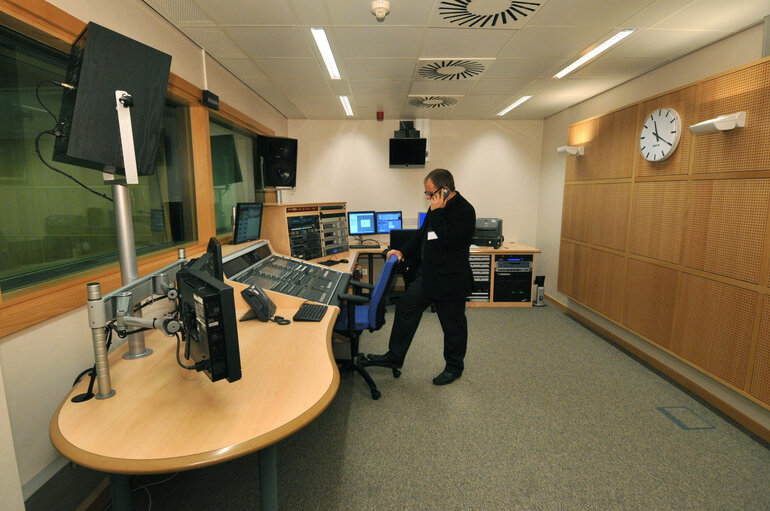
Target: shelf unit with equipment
x=306, y=231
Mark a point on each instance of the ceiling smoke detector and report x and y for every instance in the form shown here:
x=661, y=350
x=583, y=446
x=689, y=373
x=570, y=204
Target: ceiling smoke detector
x=380, y=9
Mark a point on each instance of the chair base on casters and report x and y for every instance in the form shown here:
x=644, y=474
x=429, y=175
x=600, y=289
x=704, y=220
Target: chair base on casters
x=354, y=365
x=364, y=361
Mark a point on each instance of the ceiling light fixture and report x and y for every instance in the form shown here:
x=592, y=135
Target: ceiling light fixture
x=346, y=105
x=513, y=105
x=380, y=9
x=606, y=45
x=322, y=42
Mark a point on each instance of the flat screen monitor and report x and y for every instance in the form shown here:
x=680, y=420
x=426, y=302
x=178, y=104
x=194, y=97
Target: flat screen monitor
x=225, y=167
x=407, y=152
x=361, y=222
x=248, y=222
x=209, y=327
x=420, y=218
x=214, y=250
x=388, y=220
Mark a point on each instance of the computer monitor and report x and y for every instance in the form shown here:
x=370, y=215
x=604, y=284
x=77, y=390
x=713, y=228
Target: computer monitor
x=361, y=222
x=387, y=220
x=248, y=222
x=209, y=327
x=214, y=250
x=420, y=218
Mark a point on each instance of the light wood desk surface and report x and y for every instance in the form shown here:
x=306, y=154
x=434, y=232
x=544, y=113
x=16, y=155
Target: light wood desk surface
x=165, y=418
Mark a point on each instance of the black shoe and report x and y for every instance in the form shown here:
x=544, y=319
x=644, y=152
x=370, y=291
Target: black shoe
x=445, y=378
x=386, y=360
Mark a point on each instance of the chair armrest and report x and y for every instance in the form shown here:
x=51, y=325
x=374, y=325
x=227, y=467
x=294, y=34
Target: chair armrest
x=361, y=300
x=361, y=285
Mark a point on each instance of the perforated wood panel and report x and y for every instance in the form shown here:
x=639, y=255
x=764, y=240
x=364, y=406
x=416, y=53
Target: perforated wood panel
x=649, y=300
x=714, y=327
x=616, y=142
x=760, y=378
x=581, y=134
x=573, y=267
x=608, y=221
x=741, y=149
x=683, y=101
x=574, y=221
x=606, y=273
x=725, y=227
x=657, y=220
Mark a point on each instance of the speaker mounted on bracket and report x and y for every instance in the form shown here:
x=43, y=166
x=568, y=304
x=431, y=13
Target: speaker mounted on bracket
x=275, y=162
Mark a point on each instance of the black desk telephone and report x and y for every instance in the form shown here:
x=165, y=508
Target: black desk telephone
x=262, y=307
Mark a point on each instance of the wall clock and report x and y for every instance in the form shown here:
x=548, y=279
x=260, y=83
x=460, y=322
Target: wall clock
x=661, y=132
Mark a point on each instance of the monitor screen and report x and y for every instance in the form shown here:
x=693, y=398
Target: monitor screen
x=420, y=218
x=405, y=152
x=387, y=220
x=361, y=222
x=248, y=222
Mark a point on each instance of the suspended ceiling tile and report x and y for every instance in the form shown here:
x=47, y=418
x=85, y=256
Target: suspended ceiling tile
x=442, y=43
x=375, y=42
x=215, y=41
x=243, y=12
x=181, y=12
x=358, y=12
x=666, y=44
x=380, y=87
x=553, y=42
x=521, y=68
x=292, y=87
x=292, y=69
x=440, y=87
x=655, y=13
x=451, y=69
x=270, y=42
x=486, y=87
x=595, y=12
x=479, y=107
x=717, y=15
x=321, y=107
x=485, y=14
x=245, y=69
x=376, y=69
x=617, y=68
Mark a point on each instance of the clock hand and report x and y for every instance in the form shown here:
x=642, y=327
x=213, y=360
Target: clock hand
x=655, y=131
x=664, y=140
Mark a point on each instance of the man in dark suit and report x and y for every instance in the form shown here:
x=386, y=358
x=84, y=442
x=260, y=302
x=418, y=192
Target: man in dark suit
x=437, y=258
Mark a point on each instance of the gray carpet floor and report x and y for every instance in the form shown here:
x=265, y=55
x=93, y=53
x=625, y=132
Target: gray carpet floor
x=546, y=416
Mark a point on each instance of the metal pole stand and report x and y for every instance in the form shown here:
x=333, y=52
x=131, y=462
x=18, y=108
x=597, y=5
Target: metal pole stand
x=98, y=322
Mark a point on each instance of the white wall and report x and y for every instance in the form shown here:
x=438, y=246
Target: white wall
x=729, y=53
x=38, y=364
x=495, y=165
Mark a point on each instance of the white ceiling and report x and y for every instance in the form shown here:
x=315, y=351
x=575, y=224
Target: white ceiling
x=267, y=44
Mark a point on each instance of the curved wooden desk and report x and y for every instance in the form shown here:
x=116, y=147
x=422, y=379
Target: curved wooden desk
x=164, y=418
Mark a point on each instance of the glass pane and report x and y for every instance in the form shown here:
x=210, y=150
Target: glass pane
x=233, y=171
x=51, y=226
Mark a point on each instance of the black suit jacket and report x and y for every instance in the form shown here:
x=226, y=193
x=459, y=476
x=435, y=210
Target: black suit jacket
x=444, y=263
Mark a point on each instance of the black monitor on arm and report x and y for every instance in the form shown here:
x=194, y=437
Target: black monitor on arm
x=248, y=222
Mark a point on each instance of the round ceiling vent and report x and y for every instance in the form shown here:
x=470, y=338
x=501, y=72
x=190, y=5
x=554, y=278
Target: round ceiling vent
x=451, y=69
x=432, y=101
x=485, y=13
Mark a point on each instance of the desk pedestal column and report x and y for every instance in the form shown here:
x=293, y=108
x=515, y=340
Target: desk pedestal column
x=120, y=492
x=268, y=478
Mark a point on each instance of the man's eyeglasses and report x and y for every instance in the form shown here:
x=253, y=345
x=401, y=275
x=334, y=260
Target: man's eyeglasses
x=431, y=194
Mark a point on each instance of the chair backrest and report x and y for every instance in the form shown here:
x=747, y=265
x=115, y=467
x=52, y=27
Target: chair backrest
x=377, y=302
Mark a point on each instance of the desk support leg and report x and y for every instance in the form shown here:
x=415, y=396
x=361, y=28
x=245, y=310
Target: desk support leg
x=120, y=492
x=268, y=478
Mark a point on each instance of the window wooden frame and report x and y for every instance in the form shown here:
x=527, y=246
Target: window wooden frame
x=20, y=309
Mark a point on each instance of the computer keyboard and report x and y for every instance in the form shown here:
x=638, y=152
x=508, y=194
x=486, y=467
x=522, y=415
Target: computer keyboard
x=329, y=262
x=310, y=312
x=371, y=245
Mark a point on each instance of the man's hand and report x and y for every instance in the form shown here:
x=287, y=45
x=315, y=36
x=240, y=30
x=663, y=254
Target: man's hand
x=438, y=199
x=396, y=253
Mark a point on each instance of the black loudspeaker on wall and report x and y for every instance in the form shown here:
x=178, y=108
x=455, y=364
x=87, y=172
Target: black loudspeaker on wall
x=275, y=161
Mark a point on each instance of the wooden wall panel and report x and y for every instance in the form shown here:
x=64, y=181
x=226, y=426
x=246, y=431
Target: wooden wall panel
x=574, y=222
x=760, y=380
x=657, y=220
x=650, y=294
x=581, y=134
x=608, y=221
x=573, y=268
x=725, y=227
x=616, y=143
x=684, y=102
x=714, y=326
x=606, y=276
x=742, y=149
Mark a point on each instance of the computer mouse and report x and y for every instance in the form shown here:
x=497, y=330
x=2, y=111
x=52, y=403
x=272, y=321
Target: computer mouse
x=343, y=260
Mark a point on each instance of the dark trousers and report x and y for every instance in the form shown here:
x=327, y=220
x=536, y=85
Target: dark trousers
x=451, y=315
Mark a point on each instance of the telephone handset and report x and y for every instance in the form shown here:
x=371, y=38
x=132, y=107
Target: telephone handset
x=444, y=193
x=262, y=307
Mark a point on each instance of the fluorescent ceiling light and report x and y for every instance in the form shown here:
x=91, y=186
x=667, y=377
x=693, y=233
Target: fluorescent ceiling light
x=346, y=105
x=606, y=45
x=326, y=52
x=513, y=105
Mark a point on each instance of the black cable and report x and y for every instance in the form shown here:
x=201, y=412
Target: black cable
x=37, y=150
x=179, y=360
x=280, y=320
x=40, y=101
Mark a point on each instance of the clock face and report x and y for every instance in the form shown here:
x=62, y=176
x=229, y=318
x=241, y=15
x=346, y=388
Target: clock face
x=660, y=135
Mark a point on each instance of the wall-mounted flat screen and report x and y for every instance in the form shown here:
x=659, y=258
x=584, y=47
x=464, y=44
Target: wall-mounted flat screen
x=387, y=221
x=361, y=222
x=407, y=152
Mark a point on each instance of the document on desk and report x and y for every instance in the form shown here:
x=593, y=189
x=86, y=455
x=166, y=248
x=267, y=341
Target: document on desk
x=432, y=235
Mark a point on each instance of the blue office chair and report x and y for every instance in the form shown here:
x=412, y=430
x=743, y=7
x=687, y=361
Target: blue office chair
x=364, y=313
